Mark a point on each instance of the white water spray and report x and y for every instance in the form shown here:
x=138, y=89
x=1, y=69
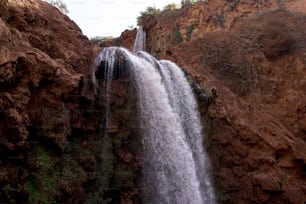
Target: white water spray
x=174, y=162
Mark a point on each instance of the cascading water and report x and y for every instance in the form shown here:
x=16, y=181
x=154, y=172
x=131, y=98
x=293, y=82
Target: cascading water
x=108, y=56
x=140, y=40
x=174, y=162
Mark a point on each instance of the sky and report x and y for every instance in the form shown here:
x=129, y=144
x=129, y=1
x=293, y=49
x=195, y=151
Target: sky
x=109, y=17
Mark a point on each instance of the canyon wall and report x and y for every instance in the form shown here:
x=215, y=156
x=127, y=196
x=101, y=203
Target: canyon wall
x=249, y=56
x=48, y=118
x=54, y=145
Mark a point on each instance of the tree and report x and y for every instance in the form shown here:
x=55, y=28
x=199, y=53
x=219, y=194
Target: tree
x=60, y=5
x=185, y=2
x=99, y=40
x=151, y=10
x=171, y=7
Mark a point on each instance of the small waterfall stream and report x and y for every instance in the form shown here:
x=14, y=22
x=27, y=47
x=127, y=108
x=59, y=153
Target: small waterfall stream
x=174, y=162
x=140, y=41
x=109, y=57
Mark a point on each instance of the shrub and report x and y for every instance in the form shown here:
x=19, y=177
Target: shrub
x=177, y=35
x=186, y=2
x=100, y=39
x=171, y=7
x=59, y=5
x=149, y=11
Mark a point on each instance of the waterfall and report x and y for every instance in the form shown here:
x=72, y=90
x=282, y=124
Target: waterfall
x=140, y=41
x=175, y=166
x=184, y=104
x=108, y=56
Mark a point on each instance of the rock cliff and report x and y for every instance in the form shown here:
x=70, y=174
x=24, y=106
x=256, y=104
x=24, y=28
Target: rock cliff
x=53, y=140
x=47, y=115
x=248, y=56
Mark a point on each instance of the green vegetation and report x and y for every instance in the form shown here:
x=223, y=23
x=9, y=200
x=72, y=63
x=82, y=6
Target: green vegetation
x=99, y=40
x=54, y=174
x=42, y=186
x=71, y=171
x=281, y=4
x=151, y=10
x=189, y=30
x=60, y=5
x=171, y=7
x=177, y=35
x=186, y=2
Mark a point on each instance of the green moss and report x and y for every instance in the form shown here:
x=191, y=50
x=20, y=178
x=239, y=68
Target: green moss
x=41, y=185
x=103, y=151
x=37, y=194
x=32, y=190
x=71, y=171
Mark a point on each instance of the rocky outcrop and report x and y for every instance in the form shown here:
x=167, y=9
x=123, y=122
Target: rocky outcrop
x=174, y=27
x=47, y=117
x=249, y=57
x=40, y=69
x=126, y=39
x=55, y=144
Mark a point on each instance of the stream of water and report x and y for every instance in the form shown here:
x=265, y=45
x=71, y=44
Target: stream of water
x=175, y=165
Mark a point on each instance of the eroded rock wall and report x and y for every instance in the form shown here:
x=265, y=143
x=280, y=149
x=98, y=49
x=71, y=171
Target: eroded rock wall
x=49, y=123
x=249, y=57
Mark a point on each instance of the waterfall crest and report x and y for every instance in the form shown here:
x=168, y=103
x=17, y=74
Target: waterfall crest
x=175, y=165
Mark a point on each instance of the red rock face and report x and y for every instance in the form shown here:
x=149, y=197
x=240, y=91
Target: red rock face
x=40, y=67
x=250, y=57
x=44, y=72
x=251, y=62
x=126, y=38
x=53, y=140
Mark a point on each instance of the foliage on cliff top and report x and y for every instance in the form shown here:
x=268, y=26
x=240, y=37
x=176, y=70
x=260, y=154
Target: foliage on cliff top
x=149, y=11
x=60, y=5
x=153, y=11
x=100, y=39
